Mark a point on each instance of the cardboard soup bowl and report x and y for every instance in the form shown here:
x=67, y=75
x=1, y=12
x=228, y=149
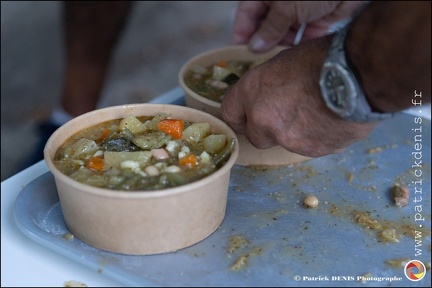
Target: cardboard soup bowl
x=248, y=154
x=142, y=222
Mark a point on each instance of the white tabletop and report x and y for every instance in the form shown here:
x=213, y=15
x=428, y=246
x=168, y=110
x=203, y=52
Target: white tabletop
x=27, y=263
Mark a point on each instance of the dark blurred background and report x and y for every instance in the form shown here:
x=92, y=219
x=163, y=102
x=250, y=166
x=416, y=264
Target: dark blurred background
x=159, y=38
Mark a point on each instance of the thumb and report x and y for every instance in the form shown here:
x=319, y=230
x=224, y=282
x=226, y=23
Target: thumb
x=273, y=28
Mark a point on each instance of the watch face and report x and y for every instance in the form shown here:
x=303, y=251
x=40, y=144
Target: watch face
x=337, y=92
x=336, y=89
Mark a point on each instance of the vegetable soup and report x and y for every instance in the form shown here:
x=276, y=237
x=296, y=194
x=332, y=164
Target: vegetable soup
x=143, y=153
x=214, y=81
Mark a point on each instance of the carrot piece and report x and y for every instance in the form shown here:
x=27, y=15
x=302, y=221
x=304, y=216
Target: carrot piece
x=96, y=163
x=103, y=136
x=173, y=127
x=222, y=63
x=189, y=160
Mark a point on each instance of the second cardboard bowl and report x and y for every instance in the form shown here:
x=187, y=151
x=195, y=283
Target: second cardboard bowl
x=248, y=154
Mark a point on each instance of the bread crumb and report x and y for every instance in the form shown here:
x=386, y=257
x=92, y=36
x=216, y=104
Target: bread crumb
x=236, y=242
x=240, y=262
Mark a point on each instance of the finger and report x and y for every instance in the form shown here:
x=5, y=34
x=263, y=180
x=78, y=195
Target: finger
x=260, y=125
x=313, y=32
x=258, y=139
x=233, y=112
x=273, y=28
x=248, y=16
x=344, y=10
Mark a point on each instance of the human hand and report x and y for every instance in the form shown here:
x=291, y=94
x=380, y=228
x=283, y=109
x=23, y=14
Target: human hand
x=279, y=103
x=264, y=24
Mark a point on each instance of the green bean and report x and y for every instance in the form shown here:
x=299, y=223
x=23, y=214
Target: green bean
x=223, y=156
x=176, y=179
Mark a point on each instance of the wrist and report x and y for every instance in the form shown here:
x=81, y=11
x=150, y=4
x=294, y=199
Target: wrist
x=341, y=90
x=388, y=46
x=365, y=69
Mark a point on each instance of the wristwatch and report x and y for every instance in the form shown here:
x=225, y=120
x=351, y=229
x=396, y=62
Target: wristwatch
x=340, y=88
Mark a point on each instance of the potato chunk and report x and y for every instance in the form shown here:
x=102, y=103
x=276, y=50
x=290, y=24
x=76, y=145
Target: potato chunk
x=196, y=132
x=83, y=148
x=133, y=124
x=214, y=143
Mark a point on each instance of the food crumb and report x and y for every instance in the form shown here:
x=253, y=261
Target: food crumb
x=350, y=177
x=374, y=150
x=400, y=195
x=73, y=283
x=311, y=201
x=240, y=262
x=399, y=262
x=236, y=242
x=68, y=236
x=366, y=220
x=390, y=235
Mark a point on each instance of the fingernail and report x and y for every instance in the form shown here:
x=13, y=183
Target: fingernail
x=258, y=44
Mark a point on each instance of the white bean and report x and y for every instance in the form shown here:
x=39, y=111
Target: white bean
x=311, y=201
x=152, y=170
x=205, y=157
x=185, y=149
x=171, y=146
x=172, y=169
x=98, y=153
x=129, y=164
